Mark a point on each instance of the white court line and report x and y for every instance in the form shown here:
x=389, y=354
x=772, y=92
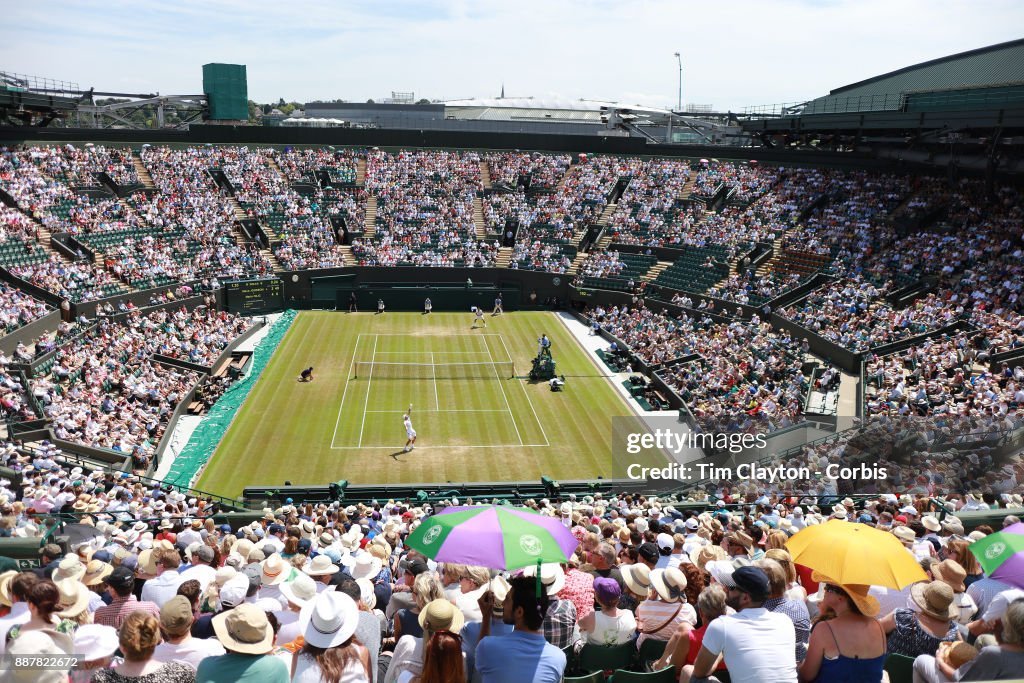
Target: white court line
x=368, y=380
x=453, y=410
x=348, y=380
x=504, y=395
x=527, y=394
x=416, y=353
x=433, y=372
x=392, y=447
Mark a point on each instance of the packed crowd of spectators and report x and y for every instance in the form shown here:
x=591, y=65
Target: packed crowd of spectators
x=544, y=171
x=18, y=308
x=753, y=290
x=424, y=210
x=104, y=389
x=328, y=589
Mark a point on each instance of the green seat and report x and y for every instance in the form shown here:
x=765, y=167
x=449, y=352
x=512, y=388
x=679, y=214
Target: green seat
x=900, y=668
x=606, y=658
x=651, y=649
x=596, y=677
x=666, y=675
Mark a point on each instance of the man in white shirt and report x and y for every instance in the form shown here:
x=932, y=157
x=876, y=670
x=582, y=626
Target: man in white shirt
x=179, y=645
x=757, y=645
x=165, y=586
x=200, y=570
x=191, y=534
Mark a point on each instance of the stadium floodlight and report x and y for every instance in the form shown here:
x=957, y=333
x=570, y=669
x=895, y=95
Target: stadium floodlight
x=679, y=59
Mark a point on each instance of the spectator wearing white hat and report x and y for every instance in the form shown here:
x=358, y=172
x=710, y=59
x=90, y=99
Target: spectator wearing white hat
x=560, y=619
x=97, y=646
x=247, y=636
x=321, y=570
x=176, y=620
x=299, y=592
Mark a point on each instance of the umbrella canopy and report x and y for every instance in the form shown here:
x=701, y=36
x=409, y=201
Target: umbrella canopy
x=1001, y=554
x=855, y=554
x=80, y=533
x=493, y=536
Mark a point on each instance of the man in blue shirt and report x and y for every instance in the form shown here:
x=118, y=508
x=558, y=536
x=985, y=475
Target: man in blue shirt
x=523, y=656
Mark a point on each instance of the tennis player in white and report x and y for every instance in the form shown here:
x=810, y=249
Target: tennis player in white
x=410, y=433
x=478, y=316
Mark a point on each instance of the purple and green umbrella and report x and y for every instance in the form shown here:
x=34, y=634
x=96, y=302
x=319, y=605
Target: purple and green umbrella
x=1001, y=554
x=497, y=537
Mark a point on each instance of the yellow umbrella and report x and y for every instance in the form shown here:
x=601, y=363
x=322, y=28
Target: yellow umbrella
x=855, y=554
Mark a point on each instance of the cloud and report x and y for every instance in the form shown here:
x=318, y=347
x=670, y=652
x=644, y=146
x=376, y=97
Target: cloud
x=748, y=53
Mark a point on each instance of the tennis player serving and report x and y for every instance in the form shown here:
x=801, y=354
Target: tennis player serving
x=410, y=433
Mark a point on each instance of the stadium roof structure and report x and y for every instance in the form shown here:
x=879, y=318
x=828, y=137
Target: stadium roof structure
x=549, y=109
x=971, y=100
x=996, y=66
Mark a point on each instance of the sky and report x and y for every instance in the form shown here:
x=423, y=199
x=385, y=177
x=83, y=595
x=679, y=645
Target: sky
x=736, y=54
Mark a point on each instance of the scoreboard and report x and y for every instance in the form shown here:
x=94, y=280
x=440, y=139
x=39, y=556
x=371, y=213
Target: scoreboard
x=253, y=296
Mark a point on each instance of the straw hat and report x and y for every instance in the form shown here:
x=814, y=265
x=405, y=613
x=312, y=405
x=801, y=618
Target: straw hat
x=441, y=615
x=322, y=566
x=274, y=570
x=5, y=586
x=931, y=523
x=708, y=553
x=329, y=619
x=905, y=534
x=670, y=584
x=96, y=572
x=69, y=568
x=74, y=598
x=935, y=599
x=637, y=578
x=858, y=594
x=245, y=629
x=551, y=575
x=300, y=590
x=950, y=571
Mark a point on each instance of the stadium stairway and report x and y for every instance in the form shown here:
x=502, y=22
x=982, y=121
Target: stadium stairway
x=688, y=187
x=565, y=177
x=370, y=220
x=606, y=215
x=485, y=175
x=360, y=172
x=776, y=257
x=655, y=271
x=272, y=162
x=140, y=168
x=478, y=218
x=348, y=258
x=45, y=237
x=576, y=263
x=504, y=257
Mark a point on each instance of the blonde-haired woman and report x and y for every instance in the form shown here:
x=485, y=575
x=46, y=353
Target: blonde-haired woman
x=794, y=591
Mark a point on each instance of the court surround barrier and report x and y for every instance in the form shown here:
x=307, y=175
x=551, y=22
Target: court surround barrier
x=191, y=460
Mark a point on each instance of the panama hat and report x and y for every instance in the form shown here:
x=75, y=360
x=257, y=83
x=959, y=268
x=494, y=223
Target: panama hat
x=74, y=598
x=246, y=629
x=935, y=599
x=931, y=523
x=366, y=567
x=366, y=593
x=858, y=594
x=637, y=578
x=69, y=568
x=721, y=571
x=551, y=575
x=950, y=571
x=5, y=586
x=329, y=619
x=905, y=534
x=441, y=615
x=274, y=570
x=300, y=590
x=321, y=565
x=669, y=584
x=96, y=572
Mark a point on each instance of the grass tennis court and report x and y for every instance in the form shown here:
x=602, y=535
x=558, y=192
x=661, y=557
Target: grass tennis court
x=475, y=420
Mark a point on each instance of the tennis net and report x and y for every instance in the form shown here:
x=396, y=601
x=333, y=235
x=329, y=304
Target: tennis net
x=386, y=370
